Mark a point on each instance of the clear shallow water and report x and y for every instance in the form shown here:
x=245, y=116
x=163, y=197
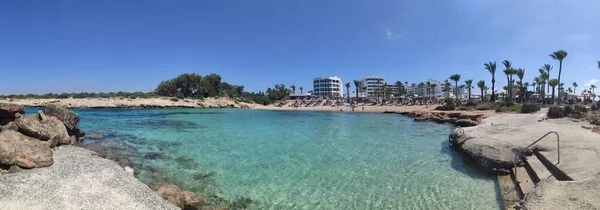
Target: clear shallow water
x=298, y=160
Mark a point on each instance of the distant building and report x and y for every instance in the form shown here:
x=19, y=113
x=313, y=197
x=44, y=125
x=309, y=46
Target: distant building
x=415, y=91
x=328, y=86
x=371, y=83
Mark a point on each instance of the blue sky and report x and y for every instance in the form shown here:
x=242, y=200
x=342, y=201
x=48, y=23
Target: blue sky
x=93, y=46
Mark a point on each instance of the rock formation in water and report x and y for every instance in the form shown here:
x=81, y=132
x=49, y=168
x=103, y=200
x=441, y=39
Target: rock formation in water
x=26, y=141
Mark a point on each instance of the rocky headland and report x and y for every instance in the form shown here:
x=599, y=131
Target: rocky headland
x=42, y=167
x=459, y=118
x=493, y=143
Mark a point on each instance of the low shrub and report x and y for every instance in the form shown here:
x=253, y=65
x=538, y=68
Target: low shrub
x=444, y=107
x=464, y=108
x=568, y=110
x=175, y=100
x=450, y=102
x=513, y=108
x=471, y=103
x=595, y=107
x=580, y=108
x=530, y=108
x=499, y=109
x=507, y=103
x=556, y=112
x=485, y=106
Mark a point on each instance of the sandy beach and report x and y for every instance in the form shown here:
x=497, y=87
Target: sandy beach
x=375, y=109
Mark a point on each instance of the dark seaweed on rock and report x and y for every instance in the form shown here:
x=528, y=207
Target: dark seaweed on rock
x=177, y=125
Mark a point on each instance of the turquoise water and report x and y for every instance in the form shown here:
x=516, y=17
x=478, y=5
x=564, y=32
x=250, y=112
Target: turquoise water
x=296, y=160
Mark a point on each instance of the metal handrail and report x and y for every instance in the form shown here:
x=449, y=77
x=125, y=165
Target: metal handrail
x=522, y=151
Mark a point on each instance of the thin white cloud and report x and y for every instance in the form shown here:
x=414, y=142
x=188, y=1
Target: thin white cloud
x=389, y=34
x=590, y=82
x=580, y=37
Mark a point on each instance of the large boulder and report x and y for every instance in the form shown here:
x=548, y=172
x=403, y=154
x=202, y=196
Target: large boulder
x=465, y=123
x=23, y=151
x=10, y=126
x=11, y=111
x=69, y=118
x=51, y=129
x=178, y=197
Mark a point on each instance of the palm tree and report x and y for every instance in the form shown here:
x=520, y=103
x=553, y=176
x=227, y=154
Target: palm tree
x=469, y=85
x=398, y=88
x=525, y=87
x=428, y=87
x=553, y=83
x=455, y=78
x=293, y=87
x=357, y=85
x=520, y=73
x=301, y=88
x=507, y=71
x=547, y=68
x=447, y=88
x=559, y=55
x=575, y=87
x=348, y=91
x=421, y=85
x=598, y=64
x=593, y=93
x=481, y=86
x=543, y=78
x=491, y=67
x=433, y=85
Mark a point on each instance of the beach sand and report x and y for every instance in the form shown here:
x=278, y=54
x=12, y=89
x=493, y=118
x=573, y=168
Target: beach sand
x=158, y=102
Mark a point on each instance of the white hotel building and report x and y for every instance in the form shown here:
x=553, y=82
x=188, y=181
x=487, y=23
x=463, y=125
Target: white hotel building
x=371, y=83
x=328, y=86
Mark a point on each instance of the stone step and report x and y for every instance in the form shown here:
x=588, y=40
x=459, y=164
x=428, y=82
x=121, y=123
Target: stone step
x=540, y=172
x=556, y=172
x=510, y=197
x=524, y=183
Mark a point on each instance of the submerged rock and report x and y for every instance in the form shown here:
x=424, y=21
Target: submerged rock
x=26, y=152
x=153, y=155
x=180, y=198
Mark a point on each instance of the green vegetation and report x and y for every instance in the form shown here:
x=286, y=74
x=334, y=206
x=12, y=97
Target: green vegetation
x=491, y=67
x=555, y=112
x=195, y=86
x=530, y=107
x=559, y=55
x=83, y=95
x=449, y=105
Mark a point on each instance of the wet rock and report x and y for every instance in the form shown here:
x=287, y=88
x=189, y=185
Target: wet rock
x=26, y=152
x=11, y=111
x=180, y=198
x=153, y=155
x=69, y=118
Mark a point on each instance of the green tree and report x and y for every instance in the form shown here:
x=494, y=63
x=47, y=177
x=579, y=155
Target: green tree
x=507, y=71
x=357, y=86
x=481, y=86
x=210, y=85
x=293, y=87
x=428, y=88
x=521, y=73
x=469, y=85
x=301, y=89
x=433, y=85
x=421, y=86
x=547, y=68
x=455, y=78
x=575, y=87
x=399, y=88
x=491, y=67
x=348, y=91
x=559, y=55
x=553, y=83
x=447, y=88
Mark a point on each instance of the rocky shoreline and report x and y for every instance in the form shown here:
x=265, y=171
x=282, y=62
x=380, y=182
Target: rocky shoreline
x=138, y=103
x=42, y=145
x=458, y=118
